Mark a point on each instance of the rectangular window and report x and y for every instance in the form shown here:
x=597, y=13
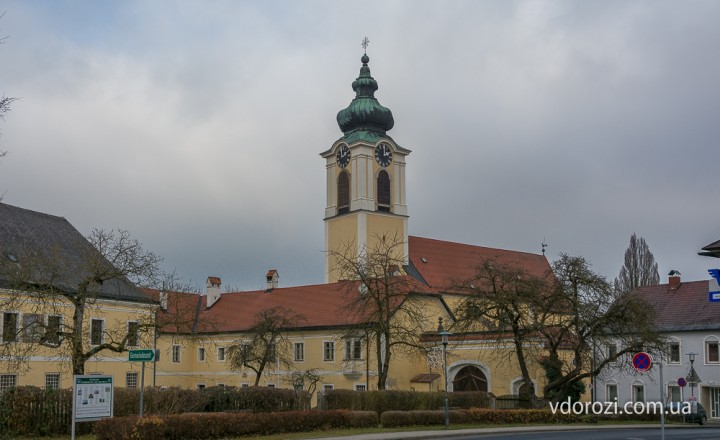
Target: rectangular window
x=32, y=327
x=353, y=349
x=674, y=353
x=131, y=379
x=201, y=354
x=612, y=351
x=7, y=381
x=712, y=354
x=299, y=352
x=360, y=387
x=200, y=386
x=328, y=387
x=221, y=354
x=133, y=328
x=54, y=327
x=611, y=392
x=244, y=385
x=52, y=381
x=271, y=385
x=10, y=322
x=674, y=393
x=328, y=351
x=96, y=331
x=638, y=393
x=176, y=353
x=272, y=353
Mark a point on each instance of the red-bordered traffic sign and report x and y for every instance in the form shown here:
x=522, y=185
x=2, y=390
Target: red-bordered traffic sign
x=681, y=382
x=642, y=361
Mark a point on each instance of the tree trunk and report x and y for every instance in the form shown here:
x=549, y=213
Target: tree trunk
x=78, y=355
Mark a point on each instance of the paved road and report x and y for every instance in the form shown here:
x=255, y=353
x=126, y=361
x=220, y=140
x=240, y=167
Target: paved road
x=699, y=433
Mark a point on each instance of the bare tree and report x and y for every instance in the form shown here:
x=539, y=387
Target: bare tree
x=267, y=342
x=4, y=101
x=502, y=299
x=378, y=301
x=639, y=269
x=73, y=278
x=588, y=313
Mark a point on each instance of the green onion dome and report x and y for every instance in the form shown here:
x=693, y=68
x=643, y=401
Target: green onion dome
x=365, y=112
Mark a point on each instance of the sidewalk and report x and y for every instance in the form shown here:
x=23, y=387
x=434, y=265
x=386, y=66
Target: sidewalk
x=464, y=432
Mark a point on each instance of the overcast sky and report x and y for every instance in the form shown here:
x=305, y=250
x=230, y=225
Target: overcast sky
x=190, y=124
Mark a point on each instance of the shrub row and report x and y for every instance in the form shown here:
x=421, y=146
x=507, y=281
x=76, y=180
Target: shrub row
x=32, y=411
x=387, y=400
x=392, y=419
x=221, y=425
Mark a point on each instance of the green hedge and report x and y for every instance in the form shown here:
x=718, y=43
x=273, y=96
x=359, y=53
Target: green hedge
x=388, y=400
x=222, y=425
x=478, y=416
x=32, y=411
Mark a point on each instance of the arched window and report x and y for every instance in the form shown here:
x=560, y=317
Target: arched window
x=383, y=191
x=343, y=192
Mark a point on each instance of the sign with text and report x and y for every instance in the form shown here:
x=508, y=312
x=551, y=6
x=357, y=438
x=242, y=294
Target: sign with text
x=714, y=285
x=92, y=397
x=145, y=355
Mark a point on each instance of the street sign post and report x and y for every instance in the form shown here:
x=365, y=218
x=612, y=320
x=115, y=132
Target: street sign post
x=143, y=355
x=641, y=362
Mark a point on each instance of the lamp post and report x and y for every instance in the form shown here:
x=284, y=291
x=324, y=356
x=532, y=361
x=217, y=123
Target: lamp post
x=693, y=379
x=445, y=337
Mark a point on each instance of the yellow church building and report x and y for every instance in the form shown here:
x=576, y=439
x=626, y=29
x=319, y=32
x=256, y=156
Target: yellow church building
x=366, y=208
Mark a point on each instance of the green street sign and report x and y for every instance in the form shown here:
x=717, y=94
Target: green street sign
x=145, y=355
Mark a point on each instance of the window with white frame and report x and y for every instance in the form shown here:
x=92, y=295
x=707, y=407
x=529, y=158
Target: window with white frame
x=271, y=385
x=200, y=386
x=133, y=330
x=96, y=331
x=612, y=350
x=328, y=387
x=9, y=327
x=611, y=392
x=638, y=392
x=175, y=353
x=131, y=379
x=52, y=381
x=221, y=354
x=712, y=351
x=360, y=387
x=201, y=354
x=54, y=327
x=244, y=385
x=299, y=351
x=674, y=393
x=353, y=349
x=7, y=381
x=674, y=352
x=328, y=351
x=32, y=327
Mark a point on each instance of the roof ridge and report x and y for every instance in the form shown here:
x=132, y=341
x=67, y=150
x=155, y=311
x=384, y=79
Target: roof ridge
x=34, y=212
x=473, y=245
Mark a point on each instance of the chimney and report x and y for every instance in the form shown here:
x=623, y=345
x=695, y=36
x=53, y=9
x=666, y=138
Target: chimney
x=163, y=300
x=212, y=290
x=674, y=279
x=272, y=280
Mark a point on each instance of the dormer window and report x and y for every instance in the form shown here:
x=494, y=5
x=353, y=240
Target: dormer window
x=343, y=186
x=383, y=191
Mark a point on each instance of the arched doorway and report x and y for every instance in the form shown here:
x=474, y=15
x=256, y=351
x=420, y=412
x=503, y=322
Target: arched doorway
x=470, y=378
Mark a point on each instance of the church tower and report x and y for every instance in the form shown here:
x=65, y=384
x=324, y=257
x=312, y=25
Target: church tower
x=365, y=179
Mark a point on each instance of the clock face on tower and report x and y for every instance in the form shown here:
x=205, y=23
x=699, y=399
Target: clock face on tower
x=383, y=155
x=343, y=156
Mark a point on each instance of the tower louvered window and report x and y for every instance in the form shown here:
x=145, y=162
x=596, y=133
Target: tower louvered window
x=343, y=192
x=383, y=191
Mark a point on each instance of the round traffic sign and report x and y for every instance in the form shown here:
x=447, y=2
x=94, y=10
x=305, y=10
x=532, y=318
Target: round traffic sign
x=641, y=361
x=681, y=382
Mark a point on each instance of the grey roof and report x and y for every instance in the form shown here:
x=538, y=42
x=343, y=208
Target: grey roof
x=30, y=240
x=685, y=308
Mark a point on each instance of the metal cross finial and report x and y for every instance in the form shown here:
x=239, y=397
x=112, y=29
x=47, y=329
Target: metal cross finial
x=365, y=43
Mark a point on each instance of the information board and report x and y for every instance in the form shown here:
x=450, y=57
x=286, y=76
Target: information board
x=92, y=397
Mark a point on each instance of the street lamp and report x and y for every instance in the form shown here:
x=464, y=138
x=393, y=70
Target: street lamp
x=445, y=337
x=693, y=379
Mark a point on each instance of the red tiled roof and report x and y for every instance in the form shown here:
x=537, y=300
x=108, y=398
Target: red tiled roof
x=685, y=308
x=443, y=264
x=321, y=305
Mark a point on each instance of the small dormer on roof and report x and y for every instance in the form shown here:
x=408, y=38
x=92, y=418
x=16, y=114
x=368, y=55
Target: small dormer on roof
x=272, y=280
